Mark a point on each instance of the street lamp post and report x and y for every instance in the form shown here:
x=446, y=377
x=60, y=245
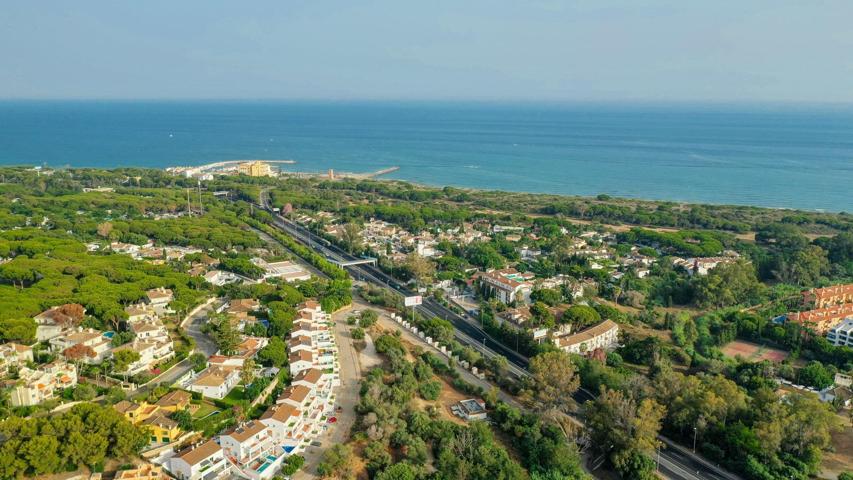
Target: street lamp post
x=695, y=431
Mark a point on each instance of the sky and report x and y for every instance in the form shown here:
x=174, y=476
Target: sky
x=536, y=50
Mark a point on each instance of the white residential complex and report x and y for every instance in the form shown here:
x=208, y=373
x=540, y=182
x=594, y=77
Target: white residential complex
x=508, y=285
x=36, y=386
x=257, y=449
x=605, y=336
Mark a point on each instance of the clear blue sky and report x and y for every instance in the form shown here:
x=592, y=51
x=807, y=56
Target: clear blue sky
x=655, y=50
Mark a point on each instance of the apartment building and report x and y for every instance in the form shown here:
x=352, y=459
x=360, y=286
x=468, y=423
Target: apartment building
x=508, y=285
x=605, y=336
x=36, y=386
x=828, y=296
x=841, y=334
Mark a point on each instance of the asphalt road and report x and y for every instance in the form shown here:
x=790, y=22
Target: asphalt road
x=674, y=461
x=203, y=343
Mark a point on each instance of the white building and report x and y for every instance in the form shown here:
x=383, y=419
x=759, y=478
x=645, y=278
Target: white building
x=14, y=354
x=252, y=449
x=605, y=335
x=841, y=334
x=287, y=270
x=508, y=285
x=36, y=386
x=100, y=344
x=206, y=461
x=214, y=381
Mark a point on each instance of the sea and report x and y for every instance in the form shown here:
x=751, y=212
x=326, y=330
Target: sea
x=778, y=156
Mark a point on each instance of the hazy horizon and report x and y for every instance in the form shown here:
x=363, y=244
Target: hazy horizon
x=663, y=51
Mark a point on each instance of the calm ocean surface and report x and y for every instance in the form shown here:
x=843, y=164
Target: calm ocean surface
x=796, y=157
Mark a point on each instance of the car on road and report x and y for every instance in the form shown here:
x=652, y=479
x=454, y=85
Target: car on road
x=316, y=443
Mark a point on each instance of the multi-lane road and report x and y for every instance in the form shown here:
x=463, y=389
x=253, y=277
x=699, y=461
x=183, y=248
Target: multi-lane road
x=674, y=461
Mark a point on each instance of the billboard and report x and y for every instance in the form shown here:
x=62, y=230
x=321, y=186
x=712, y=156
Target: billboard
x=541, y=333
x=414, y=300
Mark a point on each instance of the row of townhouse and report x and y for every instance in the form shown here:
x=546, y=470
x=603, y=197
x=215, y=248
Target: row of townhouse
x=257, y=449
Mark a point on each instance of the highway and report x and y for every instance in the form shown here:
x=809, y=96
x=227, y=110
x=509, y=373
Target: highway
x=675, y=462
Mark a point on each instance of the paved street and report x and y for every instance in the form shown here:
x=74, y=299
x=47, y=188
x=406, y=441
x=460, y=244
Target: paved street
x=192, y=325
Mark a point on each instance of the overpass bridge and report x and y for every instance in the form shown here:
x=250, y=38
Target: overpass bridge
x=350, y=263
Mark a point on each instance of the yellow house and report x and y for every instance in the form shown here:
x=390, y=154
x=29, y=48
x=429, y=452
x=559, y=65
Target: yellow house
x=161, y=428
x=174, y=401
x=135, y=412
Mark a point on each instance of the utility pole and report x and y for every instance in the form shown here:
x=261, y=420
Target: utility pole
x=189, y=205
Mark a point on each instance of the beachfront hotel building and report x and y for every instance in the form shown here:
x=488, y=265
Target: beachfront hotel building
x=254, y=169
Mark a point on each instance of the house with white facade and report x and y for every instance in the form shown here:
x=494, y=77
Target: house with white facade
x=252, y=449
x=14, y=354
x=99, y=343
x=214, y=381
x=204, y=461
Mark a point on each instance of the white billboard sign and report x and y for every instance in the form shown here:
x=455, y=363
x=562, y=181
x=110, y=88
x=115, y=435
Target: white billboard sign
x=414, y=300
x=541, y=333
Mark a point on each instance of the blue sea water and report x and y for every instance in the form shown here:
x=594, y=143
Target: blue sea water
x=772, y=156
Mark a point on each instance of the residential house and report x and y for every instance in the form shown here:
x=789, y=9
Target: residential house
x=205, y=461
x=14, y=354
x=471, y=409
x=285, y=422
x=161, y=429
x=253, y=449
x=219, y=277
x=518, y=318
x=214, y=381
x=98, y=345
x=52, y=322
x=147, y=471
x=151, y=352
x=159, y=299
x=301, y=360
x=174, y=401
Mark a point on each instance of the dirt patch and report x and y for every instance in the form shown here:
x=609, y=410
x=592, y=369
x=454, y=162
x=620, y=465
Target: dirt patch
x=842, y=458
x=753, y=351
